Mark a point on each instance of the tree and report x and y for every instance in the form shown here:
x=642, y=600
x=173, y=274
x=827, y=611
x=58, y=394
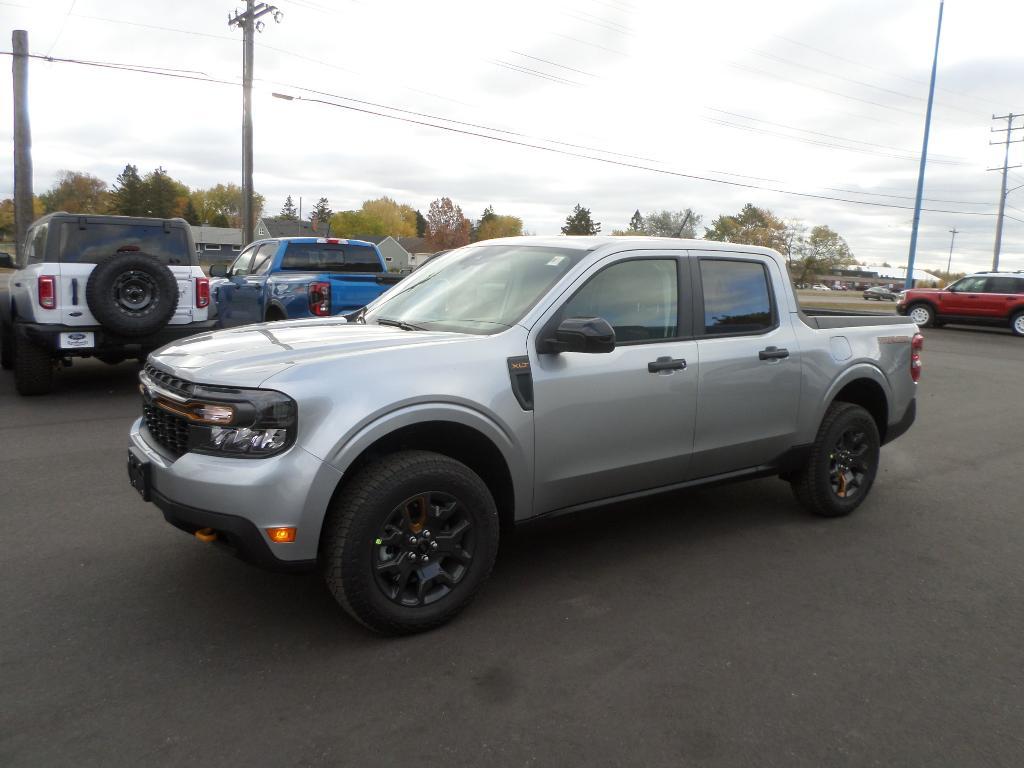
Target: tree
x=288, y=210
x=226, y=200
x=821, y=251
x=580, y=223
x=636, y=224
x=76, y=192
x=496, y=225
x=446, y=226
x=190, y=214
x=163, y=196
x=322, y=210
x=485, y=218
x=751, y=226
x=376, y=218
x=7, y=231
x=219, y=220
x=421, y=225
x=127, y=197
x=671, y=223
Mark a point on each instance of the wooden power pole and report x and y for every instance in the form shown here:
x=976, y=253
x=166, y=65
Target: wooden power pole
x=248, y=21
x=23, y=211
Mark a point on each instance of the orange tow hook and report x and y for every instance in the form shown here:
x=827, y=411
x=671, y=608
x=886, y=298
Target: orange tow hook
x=206, y=534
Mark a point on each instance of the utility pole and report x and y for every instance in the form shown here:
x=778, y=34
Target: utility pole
x=1008, y=130
x=949, y=262
x=924, y=159
x=23, y=210
x=249, y=24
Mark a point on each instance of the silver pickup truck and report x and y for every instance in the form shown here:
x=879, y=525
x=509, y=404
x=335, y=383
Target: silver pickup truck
x=504, y=381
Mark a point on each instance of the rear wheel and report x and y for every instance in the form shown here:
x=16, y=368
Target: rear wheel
x=843, y=462
x=33, y=367
x=1017, y=324
x=923, y=315
x=6, y=346
x=409, y=541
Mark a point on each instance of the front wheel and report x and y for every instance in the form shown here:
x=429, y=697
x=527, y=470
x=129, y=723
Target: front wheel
x=923, y=315
x=843, y=462
x=409, y=541
x=1017, y=324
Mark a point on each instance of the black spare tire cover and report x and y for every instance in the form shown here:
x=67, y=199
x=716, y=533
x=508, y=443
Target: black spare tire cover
x=131, y=294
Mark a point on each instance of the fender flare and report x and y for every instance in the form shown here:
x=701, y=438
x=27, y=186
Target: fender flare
x=380, y=425
x=851, y=374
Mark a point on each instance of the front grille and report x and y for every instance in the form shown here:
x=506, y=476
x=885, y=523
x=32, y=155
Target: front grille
x=169, y=430
x=167, y=381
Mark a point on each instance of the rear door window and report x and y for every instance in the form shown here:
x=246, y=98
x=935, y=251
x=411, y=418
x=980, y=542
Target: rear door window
x=1004, y=285
x=736, y=297
x=330, y=257
x=90, y=243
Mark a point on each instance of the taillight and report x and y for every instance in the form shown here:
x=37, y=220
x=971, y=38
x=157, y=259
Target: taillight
x=916, y=345
x=320, y=299
x=202, y=292
x=47, y=289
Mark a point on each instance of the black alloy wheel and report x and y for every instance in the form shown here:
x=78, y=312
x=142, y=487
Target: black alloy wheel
x=134, y=292
x=848, y=464
x=424, y=549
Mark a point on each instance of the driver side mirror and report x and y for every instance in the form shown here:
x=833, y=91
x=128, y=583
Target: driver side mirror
x=218, y=270
x=6, y=261
x=592, y=335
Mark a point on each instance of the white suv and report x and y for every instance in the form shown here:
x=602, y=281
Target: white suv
x=111, y=287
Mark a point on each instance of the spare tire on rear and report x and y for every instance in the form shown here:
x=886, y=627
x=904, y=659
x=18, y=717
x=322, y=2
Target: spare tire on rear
x=132, y=294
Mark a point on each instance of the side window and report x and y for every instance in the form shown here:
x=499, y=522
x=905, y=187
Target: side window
x=36, y=239
x=264, y=257
x=1004, y=285
x=240, y=266
x=736, y=297
x=639, y=298
x=970, y=285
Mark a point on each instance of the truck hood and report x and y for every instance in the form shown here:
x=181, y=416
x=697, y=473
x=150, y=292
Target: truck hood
x=249, y=355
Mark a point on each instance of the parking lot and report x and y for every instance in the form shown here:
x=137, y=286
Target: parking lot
x=719, y=627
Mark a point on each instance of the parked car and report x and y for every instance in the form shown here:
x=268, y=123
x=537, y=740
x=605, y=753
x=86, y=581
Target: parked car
x=111, y=287
x=880, y=293
x=987, y=298
x=512, y=379
x=820, y=287
x=294, y=277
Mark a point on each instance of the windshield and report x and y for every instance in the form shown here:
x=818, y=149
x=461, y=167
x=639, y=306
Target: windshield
x=482, y=289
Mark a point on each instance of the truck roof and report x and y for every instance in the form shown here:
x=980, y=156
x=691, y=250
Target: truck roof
x=331, y=240
x=615, y=242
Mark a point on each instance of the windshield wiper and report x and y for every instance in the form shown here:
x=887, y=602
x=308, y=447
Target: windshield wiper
x=399, y=324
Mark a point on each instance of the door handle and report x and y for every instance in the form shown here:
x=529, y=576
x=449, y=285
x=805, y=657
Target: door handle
x=666, y=364
x=773, y=353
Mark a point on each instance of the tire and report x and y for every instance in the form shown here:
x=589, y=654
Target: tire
x=377, y=583
x=822, y=486
x=33, y=367
x=1017, y=324
x=131, y=294
x=6, y=346
x=922, y=314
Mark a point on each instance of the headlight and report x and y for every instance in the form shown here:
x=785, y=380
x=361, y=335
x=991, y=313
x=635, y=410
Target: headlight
x=220, y=421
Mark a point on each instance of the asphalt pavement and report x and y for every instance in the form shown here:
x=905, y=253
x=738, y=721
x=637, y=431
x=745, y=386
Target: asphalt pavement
x=717, y=627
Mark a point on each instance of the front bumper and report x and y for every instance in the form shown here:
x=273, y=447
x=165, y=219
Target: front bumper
x=240, y=498
x=48, y=336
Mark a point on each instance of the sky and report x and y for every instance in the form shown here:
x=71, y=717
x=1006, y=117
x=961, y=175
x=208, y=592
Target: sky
x=614, y=104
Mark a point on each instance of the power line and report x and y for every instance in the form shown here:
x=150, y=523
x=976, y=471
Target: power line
x=552, y=63
x=534, y=73
x=63, y=23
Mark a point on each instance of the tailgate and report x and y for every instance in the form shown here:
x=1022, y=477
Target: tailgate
x=354, y=291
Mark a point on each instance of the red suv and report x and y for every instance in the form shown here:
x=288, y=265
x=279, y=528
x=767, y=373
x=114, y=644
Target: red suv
x=987, y=298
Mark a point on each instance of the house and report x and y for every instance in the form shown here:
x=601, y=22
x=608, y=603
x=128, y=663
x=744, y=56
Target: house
x=417, y=249
x=394, y=254
x=217, y=243
x=277, y=227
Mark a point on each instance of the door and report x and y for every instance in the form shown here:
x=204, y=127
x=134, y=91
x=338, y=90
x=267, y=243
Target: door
x=232, y=304
x=606, y=424
x=750, y=373
x=1002, y=294
x=964, y=298
x=250, y=296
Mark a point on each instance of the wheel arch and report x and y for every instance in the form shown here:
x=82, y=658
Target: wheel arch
x=869, y=393
x=275, y=311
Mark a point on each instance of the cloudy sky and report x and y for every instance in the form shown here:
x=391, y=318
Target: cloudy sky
x=635, y=97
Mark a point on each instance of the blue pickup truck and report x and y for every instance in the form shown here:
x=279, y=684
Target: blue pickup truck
x=291, y=277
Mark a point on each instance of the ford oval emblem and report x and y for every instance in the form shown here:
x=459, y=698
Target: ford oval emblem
x=76, y=336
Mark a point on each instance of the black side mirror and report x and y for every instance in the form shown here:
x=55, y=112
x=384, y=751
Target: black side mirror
x=592, y=335
x=6, y=261
x=218, y=270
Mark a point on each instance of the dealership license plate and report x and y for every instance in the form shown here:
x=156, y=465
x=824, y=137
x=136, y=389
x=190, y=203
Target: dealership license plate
x=138, y=473
x=77, y=340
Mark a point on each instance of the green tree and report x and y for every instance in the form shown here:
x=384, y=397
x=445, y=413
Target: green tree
x=820, y=252
x=421, y=225
x=164, y=196
x=288, y=210
x=7, y=230
x=322, y=210
x=397, y=220
x=355, y=224
x=636, y=224
x=225, y=199
x=76, y=192
x=751, y=226
x=190, y=214
x=128, y=198
x=220, y=220
x=446, y=226
x=493, y=225
x=671, y=223
x=579, y=222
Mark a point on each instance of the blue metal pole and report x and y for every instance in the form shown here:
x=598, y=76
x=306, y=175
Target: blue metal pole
x=909, y=282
